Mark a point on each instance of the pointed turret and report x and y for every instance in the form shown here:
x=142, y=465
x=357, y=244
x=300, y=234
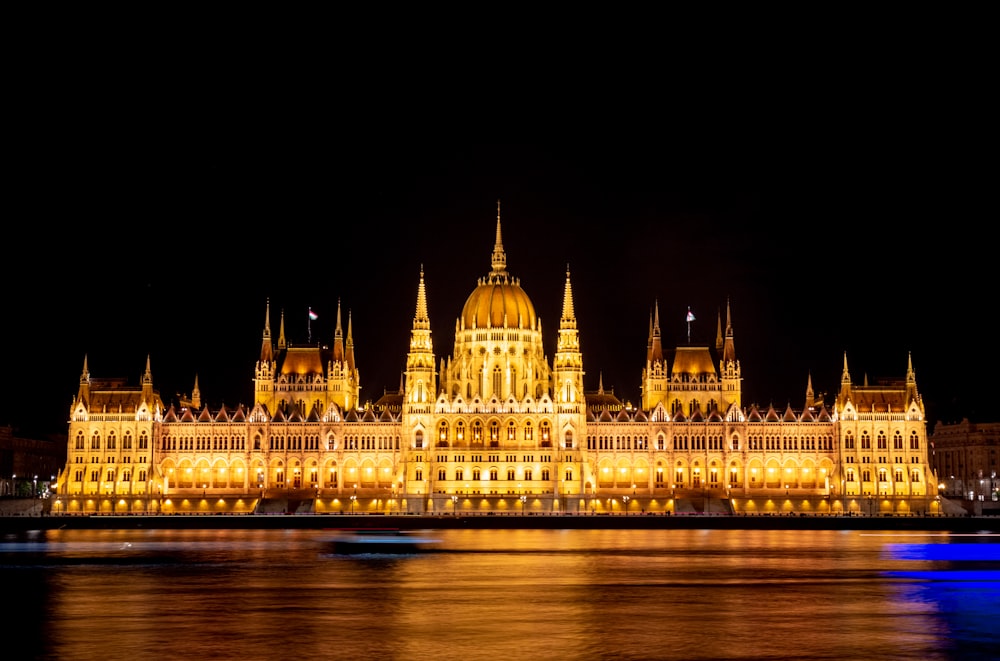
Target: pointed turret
x=266, y=349
x=732, y=375
x=420, y=382
x=567, y=369
x=282, y=344
x=654, y=375
x=656, y=341
x=263, y=391
x=349, y=345
x=83, y=393
x=196, y=394
x=911, y=381
x=338, y=338
x=729, y=347
x=718, y=334
x=147, y=383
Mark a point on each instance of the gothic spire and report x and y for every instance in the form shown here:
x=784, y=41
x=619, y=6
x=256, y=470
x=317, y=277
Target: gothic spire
x=568, y=315
x=266, y=350
x=499, y=257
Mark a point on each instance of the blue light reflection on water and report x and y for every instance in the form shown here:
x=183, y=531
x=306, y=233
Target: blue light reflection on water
x=958, y=576
x=540, y=594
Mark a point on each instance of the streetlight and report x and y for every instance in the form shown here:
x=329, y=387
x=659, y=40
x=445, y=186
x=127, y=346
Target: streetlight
x=625, y=500
x=454, y=504
x=353, y=498
x=524, y=499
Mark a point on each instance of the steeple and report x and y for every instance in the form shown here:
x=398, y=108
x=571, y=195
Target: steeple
x=266, y=350
x=263, y=392
x=420, y=382
x=568, y=319
x=732, y=375
x=654, y=375
x=911, y=382
x=148, y=396
x=282, y=344
x=195, y=395
x=420, y=319
x=567, y=369
x=338, y=338
x=499, y=257
x=655, y=353
x=349, y=350
x=729, y=347
x=83, y=394
x=718, y=334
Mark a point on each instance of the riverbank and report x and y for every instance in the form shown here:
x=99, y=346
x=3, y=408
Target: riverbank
x=964, y=524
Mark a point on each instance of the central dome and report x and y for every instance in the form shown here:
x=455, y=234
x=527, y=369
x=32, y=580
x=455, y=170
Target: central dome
x=498, y=301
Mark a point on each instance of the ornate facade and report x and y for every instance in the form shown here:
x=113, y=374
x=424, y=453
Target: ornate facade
x=495, y=427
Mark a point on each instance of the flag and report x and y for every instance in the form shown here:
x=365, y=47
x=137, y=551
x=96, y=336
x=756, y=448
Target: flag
x=312, y=315
x=690, y=316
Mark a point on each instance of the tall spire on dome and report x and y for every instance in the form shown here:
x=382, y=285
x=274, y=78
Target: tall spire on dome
x=499, y=257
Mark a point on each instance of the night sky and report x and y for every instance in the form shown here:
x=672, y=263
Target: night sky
x=856, y=242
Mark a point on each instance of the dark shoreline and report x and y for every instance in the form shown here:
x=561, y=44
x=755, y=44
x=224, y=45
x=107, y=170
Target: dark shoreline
x=16, y=524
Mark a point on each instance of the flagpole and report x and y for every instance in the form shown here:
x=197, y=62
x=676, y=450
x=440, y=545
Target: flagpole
x=309, y=327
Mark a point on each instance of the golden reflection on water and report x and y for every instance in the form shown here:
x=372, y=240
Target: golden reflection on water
x=528, y=594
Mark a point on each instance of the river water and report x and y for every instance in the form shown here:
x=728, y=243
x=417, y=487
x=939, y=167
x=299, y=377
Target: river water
x=147, y=595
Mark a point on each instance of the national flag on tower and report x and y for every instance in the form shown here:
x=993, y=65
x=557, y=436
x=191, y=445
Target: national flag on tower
x=690, y=316
x=312, y=315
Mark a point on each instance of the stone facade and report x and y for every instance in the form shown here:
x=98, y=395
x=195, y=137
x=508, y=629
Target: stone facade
x=494, y=428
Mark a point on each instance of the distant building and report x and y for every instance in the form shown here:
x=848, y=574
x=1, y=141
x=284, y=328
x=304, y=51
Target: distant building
x=496, y=426
x=964, y=456
x=28, y=465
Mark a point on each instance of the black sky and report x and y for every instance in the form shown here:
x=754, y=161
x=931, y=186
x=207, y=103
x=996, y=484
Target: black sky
x=174, y=255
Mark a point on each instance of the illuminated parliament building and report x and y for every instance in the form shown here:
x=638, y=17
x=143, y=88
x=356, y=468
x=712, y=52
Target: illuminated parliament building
x=496, y=427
